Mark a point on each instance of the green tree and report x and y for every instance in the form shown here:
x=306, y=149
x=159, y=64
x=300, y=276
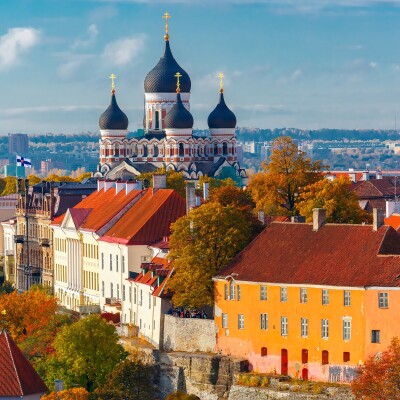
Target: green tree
x=85, y=353
x=202, y=243
x=130, y=380
x=6, y=288
x=277, y=189
x=335, y=196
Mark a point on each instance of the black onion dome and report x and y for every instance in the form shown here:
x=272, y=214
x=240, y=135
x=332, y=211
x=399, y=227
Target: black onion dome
x=161, y=79
x=113, y=117
x=178, y=117
x=221, y=116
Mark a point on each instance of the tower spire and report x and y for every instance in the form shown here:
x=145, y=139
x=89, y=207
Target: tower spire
x=166, y=16
x=112, y=77
x=178, y=84
x=221, y=76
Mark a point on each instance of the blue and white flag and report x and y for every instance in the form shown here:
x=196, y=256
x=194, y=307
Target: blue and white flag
x=24, y=162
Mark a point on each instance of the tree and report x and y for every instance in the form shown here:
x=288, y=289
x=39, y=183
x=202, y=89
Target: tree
x=6, y=288
x=202, y=243
x=85, y=353
x=33, y=179
x=335, y=196
x=379, y=377
x=179, y=395
x=277, y=189
x=10, y=185
x=175, y=180
x=130, y=380
x=69, y=394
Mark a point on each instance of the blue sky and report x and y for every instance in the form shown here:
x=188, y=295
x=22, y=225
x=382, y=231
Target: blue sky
x=288, y=63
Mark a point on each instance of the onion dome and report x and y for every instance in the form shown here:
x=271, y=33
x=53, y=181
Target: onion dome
x=113, y=118
x=161, y=78
x=221, y=116
x=178, y=117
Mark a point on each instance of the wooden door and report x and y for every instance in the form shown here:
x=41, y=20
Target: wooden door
x=284, y=362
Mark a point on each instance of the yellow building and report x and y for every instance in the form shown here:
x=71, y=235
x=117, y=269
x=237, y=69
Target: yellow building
x=311, y=300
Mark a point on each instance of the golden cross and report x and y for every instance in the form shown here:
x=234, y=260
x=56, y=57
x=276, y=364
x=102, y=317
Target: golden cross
x=221, y=76
x=166, y=16
x=178, y=84
x=112, y=77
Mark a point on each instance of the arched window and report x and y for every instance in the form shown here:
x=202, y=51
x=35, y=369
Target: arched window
x=157, y=120
x=155, y=150
x=145, y=150
x=116, y=150
x=224, y=149
x=215, y=149
x=181, y=150
x=134, y=150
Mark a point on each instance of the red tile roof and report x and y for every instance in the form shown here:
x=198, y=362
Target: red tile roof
x=149, y=219
x=17, y=376
x=336, y=255
x=104, y=205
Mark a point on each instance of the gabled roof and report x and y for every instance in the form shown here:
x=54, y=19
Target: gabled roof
x=335, y=255
x=393, y=221
x=17, y=376
x=149, y=219
x=375, y=188
x=103, y=206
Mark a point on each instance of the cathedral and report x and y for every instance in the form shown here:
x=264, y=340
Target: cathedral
x=168, y=140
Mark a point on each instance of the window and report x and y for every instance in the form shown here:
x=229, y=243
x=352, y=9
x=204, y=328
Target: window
x=325, y=357
x=325, y=296
x=224, y=320
x=324, y=329
x=347, y=299
x=134, y=295
x=304, y=327
x=264, y=352
x=284, y=326
x=116, y=263
x=383, y=299
x=304, y=356
x=111, y=290
x=141, y=297
x=102, y=260
x=346, y=356
x=149, y=301
x=130, y=294
x=110, y=262
x=264, y=321
x=118, y=291
x=303, y=295
x=375, y=336
x=123, y=264
x=232, y=287
x=240, y=321
x=226, y=292
x=283, y=294
x=263, y=293
x=123, y=292
x=346, y=329
x=238, y=291
x=102, y=288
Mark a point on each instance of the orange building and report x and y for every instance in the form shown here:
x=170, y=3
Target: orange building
x=311, y=300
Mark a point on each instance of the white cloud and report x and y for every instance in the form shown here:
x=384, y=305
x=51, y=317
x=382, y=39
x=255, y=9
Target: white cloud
x=15, y=42
x=72, y=64
x=91, y=35
x=124, y=50
x=373, y=64
x=296, y=74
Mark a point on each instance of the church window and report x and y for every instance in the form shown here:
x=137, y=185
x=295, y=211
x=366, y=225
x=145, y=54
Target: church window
x=224, y=149
x=157, y=120
x=215, y=149
x=116, y=151
x=155, y=150
x=181, y=150
x=145, y=150
x=134, y=150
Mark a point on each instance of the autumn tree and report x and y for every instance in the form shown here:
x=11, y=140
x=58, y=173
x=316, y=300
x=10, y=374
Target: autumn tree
x=69, y=394
x=85, y=353
x=202, y=243
x=379, y=377
x=130, y=380
x=9, y=185
x=335, y=196
x=33, y=179
x=175, y=180
x=6, y=288
x=277, y=189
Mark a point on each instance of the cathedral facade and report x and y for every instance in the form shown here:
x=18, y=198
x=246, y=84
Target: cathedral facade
x=168, y=141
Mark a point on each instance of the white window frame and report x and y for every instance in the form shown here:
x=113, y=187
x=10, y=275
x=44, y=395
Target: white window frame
x=346, y=329
x=240, y=321
x=383, y=300
x=238, y=293
x=325, y=328
x=232, y=291
x=325, y=297
x=347, y=298
x=284, y=326
x=224, y=320
x=284, y=294
x=303, y=295
x=264, y=321
x=263, y=292
x=304, y=327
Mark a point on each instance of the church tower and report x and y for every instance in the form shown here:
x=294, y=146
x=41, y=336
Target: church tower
x=113, y=125
x=159, y=87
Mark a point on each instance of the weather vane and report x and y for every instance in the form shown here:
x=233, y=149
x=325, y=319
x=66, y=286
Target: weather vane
x=221, y=77
x=112, y=77
x=166, y=16
x=178, y=84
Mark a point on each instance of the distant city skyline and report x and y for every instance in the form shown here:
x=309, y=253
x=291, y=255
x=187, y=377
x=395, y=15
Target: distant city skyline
x=306, y=64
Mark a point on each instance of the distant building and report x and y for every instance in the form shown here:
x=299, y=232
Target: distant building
x=18, y=143
x=18, y=379
x=13, y=170
x=311, y=300
x=9, y=229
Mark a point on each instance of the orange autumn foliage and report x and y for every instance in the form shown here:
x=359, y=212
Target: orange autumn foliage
x=70, y=394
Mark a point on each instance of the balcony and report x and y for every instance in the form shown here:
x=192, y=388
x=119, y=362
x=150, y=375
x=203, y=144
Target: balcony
x=19, y=239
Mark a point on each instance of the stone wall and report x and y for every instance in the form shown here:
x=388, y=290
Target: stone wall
x=189, y=334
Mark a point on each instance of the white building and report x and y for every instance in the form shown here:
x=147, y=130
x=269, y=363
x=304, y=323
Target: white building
x=9, y=249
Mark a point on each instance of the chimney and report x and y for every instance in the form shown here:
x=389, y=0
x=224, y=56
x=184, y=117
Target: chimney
x=119, y=186
x=108, y=184
x=190, y=196
x=378, y=218
x=319, y=218
x=298, y=219
x=206, y=186
x=365, y=175
x=261, y=216
x=159, y=181
x=133, y=185
x=378, y=174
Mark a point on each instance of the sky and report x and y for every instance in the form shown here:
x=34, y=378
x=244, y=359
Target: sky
x=306, y=64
